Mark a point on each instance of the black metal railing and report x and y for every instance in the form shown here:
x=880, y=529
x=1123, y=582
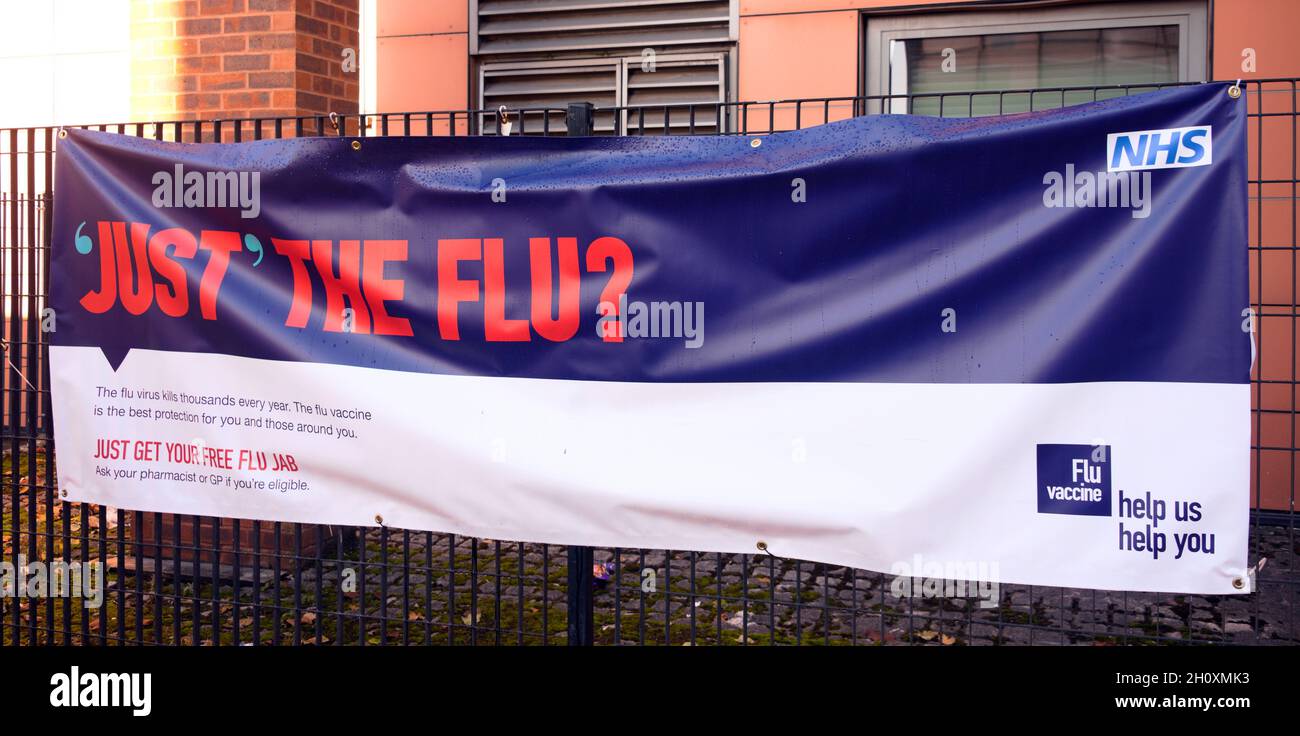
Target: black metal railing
x=189, y=580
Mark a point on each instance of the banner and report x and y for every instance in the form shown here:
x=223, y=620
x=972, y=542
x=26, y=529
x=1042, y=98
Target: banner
x=1016, y=345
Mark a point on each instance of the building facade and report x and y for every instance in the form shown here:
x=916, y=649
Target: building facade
x=457, y=54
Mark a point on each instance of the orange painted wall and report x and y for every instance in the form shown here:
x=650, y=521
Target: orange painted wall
x=423, y=61
x=799, y=49
x=798, y=56
x=1268, y=26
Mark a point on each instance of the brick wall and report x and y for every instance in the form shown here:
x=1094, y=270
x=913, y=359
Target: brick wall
x=204, y=59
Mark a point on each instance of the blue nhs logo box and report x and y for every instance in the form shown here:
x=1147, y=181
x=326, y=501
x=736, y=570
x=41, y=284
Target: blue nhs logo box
x=1172, y=148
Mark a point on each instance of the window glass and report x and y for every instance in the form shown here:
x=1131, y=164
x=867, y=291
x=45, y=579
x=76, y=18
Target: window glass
x=1065, y=58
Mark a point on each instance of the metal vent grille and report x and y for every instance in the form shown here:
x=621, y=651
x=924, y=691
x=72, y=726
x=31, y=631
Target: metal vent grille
x=632, y=94
x=542, y=90
x=687, y=90
x=649, y=66
x=548, y=26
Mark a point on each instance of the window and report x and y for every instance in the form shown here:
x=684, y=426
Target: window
x=653, y=58
x=1134, y=43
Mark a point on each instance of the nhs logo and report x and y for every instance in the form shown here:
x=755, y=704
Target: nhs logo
x=1172, y=148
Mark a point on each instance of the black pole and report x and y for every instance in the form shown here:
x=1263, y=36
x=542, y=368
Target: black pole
x=581, y=603
x=577, y=121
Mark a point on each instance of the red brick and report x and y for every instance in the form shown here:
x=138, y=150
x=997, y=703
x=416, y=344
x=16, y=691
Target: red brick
x=322, y=85
x=315, y=65
x=220, y=7
x=231, y=100
x=284, y=98
x=201, y=101
x=262, y=41
x=224, y=81
x=270, y=80
x=330, y=50
x=247, y=24
x=221, y=44
x=326, y=11
x=283, y=61
x=309, y=102
x=198, y=64
x=198, y=26
x=246, y=62
x=204, y=59
x=313, y=26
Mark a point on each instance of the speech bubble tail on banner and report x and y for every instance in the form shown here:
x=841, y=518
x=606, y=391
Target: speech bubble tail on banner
x=115, y=355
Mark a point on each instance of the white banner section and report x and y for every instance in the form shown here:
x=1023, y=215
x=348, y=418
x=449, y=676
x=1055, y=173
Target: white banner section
x=1127, y=486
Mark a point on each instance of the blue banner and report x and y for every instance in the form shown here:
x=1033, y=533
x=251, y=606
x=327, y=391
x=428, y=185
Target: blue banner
x=972, y=340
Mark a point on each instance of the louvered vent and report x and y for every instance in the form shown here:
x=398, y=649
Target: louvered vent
x=543, y=89
x=547, y=26
x=688, y=89
x=651, y=58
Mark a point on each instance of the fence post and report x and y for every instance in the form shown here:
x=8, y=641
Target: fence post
x=580, y=601
x=578, y=121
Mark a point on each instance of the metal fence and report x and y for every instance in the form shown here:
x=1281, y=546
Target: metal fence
x=190, y=580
